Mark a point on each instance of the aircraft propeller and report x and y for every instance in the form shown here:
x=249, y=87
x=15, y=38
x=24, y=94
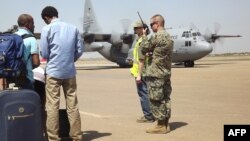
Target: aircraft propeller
x=123, y=37
x=115, y=37
x=125, y=24
x=214, y=38
x=211, y=37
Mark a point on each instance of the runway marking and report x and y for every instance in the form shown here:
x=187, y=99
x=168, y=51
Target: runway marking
x=95, y=115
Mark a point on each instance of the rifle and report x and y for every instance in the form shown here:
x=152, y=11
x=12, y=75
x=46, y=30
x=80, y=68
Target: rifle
x=145, y=26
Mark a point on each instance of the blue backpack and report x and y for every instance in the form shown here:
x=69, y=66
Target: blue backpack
x=12, y=49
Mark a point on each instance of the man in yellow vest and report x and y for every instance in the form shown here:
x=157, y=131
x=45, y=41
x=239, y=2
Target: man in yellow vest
x=137, y=71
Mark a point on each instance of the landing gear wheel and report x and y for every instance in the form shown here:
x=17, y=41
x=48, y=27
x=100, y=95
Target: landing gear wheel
x=189, y=64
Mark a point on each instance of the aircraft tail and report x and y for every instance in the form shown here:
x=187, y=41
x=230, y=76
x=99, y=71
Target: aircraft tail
x=89, y=19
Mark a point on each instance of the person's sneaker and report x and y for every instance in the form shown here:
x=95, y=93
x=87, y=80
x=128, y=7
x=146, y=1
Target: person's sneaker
x=144, y=120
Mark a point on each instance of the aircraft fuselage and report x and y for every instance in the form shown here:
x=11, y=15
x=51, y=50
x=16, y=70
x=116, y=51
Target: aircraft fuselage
x=189, y=45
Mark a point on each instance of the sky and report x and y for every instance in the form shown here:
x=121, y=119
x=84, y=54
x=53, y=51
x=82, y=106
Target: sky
x=232, y=16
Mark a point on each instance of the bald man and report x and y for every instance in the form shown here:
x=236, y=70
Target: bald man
x=158, y=72
x=31, y=54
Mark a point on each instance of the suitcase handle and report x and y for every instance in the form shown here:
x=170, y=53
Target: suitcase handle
x=20, y=117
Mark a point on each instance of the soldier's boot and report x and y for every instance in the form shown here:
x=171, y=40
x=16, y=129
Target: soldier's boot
x=162, y=127
x=167, y=125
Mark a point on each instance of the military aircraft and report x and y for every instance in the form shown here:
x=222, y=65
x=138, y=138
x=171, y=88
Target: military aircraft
x=113, y=47
x=189, y=43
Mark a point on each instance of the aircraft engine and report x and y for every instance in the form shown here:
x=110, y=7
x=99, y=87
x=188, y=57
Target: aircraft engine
x=127, y=40
x=125, y=48
x=94, y=46
x=88, y=37
x=212, y=37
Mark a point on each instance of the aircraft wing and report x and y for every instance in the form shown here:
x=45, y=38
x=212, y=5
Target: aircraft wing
x=225, y=36
x=88, y=36
x=213, y=37
x=96, y=37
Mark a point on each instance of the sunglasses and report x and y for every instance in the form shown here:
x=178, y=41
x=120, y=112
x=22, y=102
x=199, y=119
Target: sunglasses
x=153, y=23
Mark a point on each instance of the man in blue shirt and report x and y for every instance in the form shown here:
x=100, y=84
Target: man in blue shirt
x=61, y=45
x=31, y=51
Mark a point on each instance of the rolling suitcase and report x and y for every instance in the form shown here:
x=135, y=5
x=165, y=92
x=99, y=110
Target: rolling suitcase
x=20, y=116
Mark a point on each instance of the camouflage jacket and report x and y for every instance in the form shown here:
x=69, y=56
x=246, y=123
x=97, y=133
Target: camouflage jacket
x=161, y=46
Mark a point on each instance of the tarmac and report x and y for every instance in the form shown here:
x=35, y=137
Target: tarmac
x=204, y=99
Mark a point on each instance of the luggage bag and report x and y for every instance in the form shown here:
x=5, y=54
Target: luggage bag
x=20, y=116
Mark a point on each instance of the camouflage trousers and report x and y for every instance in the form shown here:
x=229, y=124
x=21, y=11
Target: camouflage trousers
x=159, y=91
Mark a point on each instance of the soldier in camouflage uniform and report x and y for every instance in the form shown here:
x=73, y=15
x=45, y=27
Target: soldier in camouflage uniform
x=158, y=72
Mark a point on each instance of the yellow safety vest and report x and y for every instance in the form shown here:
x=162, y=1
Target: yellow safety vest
x=134, y=69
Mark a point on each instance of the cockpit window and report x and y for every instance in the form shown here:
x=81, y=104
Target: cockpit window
x=196, y=34
x=186, y=34
x=183, y=34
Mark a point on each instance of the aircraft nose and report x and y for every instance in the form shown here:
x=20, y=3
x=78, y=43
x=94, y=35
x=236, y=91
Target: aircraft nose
x=205, y=47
